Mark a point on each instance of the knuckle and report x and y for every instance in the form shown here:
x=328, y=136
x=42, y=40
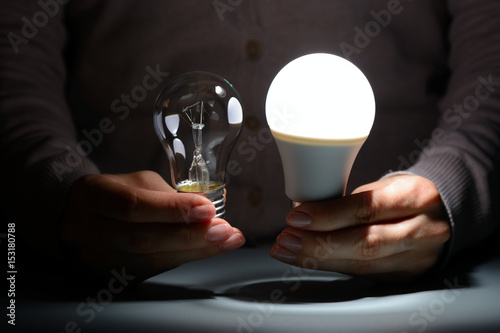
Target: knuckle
x=414, y=184
x=142, y=178
x=143, y=174
x=442, y=232
x=176, y=208
x=129, y=203
x=179, y=210
x=425, y=231
x=426, y=192
x=371, y=246
x=366, y=209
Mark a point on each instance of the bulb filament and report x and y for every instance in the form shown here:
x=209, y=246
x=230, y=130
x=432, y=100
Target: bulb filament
x=199, y=175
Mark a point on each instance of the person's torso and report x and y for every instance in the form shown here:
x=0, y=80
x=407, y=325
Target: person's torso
x=122, y=52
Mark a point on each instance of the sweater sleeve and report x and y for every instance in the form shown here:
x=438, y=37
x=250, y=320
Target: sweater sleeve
x=463, y=156
x=38, y=145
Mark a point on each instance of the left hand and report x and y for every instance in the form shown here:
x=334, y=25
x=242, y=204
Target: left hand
x=392, y=229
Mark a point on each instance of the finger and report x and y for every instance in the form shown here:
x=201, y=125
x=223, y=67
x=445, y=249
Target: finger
x=361, y=243
x=367, y=242
x=148, y=180
x=404, y=266
x=398, y=198
x=102, y=260
x=400, y=266
x=157, y=237
x=109, y=197
x=376, y=184
x=147, y=238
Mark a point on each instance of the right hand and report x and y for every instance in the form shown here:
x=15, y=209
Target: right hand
x=138, y=222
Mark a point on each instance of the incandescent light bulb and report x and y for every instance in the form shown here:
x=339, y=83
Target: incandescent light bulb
x=198, y=117
x=320, y=108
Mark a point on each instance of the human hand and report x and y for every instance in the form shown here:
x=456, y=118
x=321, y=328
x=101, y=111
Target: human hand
x=393, y=229
x=139, y=222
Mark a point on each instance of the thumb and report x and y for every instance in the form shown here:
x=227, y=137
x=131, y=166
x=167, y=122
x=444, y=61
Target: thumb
x=110, y=196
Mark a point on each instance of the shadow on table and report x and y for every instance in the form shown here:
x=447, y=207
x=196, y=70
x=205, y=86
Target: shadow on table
x=311, y=290
x=299, y=290
x=292, y=291
x=306, y=289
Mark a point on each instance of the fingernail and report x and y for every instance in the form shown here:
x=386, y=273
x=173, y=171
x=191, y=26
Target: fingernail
x=233, y=242
x=218, y=232
x=283, y=255
x=203, y=212
x=289, y=241
x=299, y=220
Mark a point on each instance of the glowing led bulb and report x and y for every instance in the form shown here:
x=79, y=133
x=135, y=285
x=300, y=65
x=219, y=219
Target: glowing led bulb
x=198, y=118
x=320, y=108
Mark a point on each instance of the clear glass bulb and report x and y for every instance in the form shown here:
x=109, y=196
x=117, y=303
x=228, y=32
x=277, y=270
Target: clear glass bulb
x=198, y=118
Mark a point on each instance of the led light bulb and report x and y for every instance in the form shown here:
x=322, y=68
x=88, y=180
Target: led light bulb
x=320, y=108
x=198, y=118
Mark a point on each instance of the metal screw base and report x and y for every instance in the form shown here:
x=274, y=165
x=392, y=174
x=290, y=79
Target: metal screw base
x=217, y=198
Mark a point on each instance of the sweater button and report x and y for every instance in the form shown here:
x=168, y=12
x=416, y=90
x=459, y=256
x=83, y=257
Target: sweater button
x=253, y=49
x=252, y=123
x=255, y=196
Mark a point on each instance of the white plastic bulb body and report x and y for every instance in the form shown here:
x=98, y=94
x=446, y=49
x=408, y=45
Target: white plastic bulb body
x=320, y=109
x=198, y=117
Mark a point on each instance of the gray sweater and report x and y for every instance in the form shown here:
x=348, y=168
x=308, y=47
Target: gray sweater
x=78, y=83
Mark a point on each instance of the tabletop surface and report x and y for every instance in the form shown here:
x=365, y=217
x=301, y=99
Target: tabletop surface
x=247, y=291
